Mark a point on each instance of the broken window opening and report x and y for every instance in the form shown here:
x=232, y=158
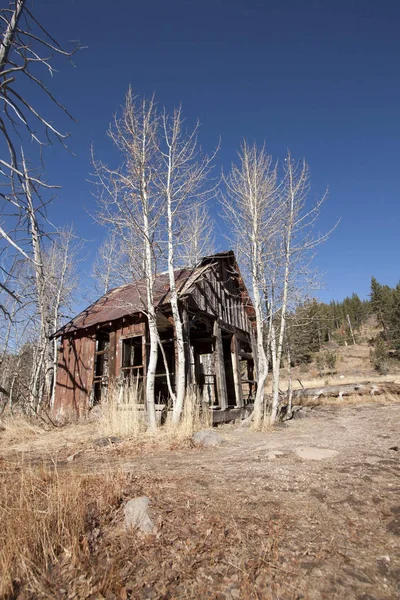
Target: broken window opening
x=132, y=367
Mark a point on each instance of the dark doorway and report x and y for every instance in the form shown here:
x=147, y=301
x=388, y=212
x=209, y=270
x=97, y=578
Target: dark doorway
x=101, y=365
x=230, y=383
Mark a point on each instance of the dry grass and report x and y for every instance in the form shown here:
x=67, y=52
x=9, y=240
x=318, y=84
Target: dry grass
x=15, y=428
x=121, y=414
x=61, y=535
x=350, y=400
x=194, y=418
x=46, y=519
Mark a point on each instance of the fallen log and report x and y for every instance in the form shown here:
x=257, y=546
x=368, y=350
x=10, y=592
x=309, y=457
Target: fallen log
x=346, y=389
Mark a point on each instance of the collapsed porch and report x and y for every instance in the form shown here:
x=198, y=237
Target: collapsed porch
x=219, y=363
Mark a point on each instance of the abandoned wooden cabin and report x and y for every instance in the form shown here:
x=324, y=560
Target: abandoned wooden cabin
x=108, y=341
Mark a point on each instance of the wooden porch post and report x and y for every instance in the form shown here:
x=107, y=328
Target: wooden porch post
x=236, y=372
x=186, y=337
x=112, y=356
x=220, y=367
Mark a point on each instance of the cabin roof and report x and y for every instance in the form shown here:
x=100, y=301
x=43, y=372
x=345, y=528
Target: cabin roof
x=130, y=298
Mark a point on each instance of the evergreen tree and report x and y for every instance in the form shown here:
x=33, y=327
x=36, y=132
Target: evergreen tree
x=385, y=303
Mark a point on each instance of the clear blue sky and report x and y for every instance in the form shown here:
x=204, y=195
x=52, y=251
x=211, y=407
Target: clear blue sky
x=320, y=78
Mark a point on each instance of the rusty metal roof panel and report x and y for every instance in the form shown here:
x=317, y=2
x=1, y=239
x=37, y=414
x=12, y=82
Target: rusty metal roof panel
x=123, y=301
x=131, y=298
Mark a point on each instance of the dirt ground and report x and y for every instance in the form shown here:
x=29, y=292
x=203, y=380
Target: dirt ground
x=257, y=517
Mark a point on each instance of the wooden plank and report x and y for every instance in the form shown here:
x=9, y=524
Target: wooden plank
x=220, y=368
x=111, y=355
x=144, y=356
x=186, y=337
x=61, y=394
x=241, y=335
x=231, y=414
x=118, y=353
x=236, y=372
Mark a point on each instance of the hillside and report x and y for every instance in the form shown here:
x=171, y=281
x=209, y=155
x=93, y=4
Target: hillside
x=353, y=363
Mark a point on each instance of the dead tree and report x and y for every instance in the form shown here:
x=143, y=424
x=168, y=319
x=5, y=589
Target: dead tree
x=182, y=181
x=251, y=209
x=27, y=51
x=130, y=206
x=196, y=234
x=296, y=249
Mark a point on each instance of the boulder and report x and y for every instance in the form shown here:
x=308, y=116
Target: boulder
x=208, y=438
x=136, y=513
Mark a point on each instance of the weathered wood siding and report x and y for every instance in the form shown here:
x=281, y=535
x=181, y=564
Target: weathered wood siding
x=75, y=369
x=217, y=293
x=75, y=374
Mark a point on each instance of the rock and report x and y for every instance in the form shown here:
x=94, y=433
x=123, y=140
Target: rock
x=311, y=453
x=383, y=564
x=300, y=414
x=136, y=512
x=123, y=594
x=394, y=526
x=207, y=438
x=317, y=573
x=107, y=441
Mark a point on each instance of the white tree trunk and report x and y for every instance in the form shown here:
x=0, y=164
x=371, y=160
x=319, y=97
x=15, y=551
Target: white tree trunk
x=153, y=333
x=288, y=228
x=9, y=34
x=180, y=357
x=42, y=303
x=151, y=372
x=262, y=362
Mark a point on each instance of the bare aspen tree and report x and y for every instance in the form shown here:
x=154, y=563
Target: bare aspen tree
x=182, y=180
x=28, y=57
x=197, y=235
x=130, y=205
x=142, y=203
x=41, y=309
x=27, y=51
x=62, y=280
x=273, y=228
x=111, y=266
x=251, y=209
x=297, y=245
